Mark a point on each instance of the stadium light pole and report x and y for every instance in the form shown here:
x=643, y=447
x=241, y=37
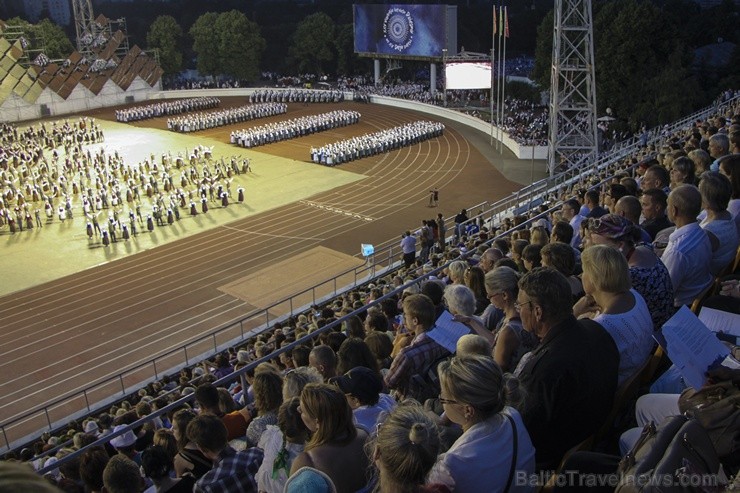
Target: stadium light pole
x=573, y=87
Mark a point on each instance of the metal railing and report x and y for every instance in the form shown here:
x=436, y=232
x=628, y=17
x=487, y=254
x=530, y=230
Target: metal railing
x=387, y=255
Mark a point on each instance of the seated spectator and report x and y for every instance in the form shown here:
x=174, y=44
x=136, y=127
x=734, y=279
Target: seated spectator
x=611, y=302
x=571, y=377
x=281, y=445
x=405, y=450
x=189, y=460
x=156, y=464
x=730, y=167
x=591, y=203
x=419, y=350
x=656, y=176
x=570, y=212
x=355, y=352
x=232, y=470
x=294, y=381
x=683, y=171
x=460, y=300
x=208, y=400
x=531, y=257
x=268, y=396
x=629, y=207
x=688, y=254
x=381, y=346
x=364, y=391
x=560, y=256
x=324, y=359
x=471, y=344
x=648, y=275
x=15, y=476
x=336, y=446
x=654, y=202
x=121, y=475
x=92, y=465
x=125, y=444
x=456, y=272
x=475, y=279
x=719, y=224
x=484, y=458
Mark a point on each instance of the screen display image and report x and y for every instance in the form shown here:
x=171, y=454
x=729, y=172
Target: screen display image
x=468, y=75
x=402, y=30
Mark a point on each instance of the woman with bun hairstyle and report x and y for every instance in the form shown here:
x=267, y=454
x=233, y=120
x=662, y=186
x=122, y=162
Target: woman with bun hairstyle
x=404, y=451
x=495, y=446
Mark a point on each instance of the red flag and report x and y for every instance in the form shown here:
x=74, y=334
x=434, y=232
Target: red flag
x=494, y=20
x=506, y=23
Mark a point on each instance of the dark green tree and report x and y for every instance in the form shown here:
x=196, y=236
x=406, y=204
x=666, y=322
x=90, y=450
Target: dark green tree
x=543, y=51
x=45, y=36
x=313, y=43
x=240, y=45
x=344, y=44
x=165, y=35
x=206, y=44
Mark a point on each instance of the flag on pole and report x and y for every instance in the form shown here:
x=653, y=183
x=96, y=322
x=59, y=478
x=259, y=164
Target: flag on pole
x=494, y=20
x=501, y=21
x=506, y=23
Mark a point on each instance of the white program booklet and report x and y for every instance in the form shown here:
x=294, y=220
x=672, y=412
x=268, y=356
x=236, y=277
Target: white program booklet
x=447, y=332
x=691, y=346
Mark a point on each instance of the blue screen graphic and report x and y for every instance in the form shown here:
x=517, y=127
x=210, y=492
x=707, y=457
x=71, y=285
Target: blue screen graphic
x=411, y=30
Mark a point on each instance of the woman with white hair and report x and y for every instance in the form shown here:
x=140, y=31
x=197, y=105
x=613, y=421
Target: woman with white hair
x=510, y=341
x=456, y=272
x=460, y=300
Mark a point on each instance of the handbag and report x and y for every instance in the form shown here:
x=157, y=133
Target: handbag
x=717, y=408
x=676, y=456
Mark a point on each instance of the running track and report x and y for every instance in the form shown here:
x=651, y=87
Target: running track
x=62, y=336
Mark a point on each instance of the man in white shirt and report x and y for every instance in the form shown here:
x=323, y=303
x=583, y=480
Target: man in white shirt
x=689, y=250
x=570, y=212
x=408, y=247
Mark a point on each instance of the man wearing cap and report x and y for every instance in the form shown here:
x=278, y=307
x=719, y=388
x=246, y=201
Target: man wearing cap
x=363, y=388
x=232, y=471
x=125, y=443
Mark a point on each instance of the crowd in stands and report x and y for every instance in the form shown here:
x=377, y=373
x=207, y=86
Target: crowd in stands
x=212, y=119
x=136, y=113
x=560, y=314
x=296, y=96
x=293, y=128
x=376, y=143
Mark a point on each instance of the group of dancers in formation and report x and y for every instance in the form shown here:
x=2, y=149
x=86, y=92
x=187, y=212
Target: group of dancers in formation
x=166, y=108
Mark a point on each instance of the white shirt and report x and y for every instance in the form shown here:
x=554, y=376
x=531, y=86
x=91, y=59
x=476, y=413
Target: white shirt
x=632, y=331
x=575, y=223
x=408, y=244
x=687, y=257
x=727, y=234
x=367, y=417
x=480, y=459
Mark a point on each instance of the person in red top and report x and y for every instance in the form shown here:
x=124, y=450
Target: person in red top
x=206, y=395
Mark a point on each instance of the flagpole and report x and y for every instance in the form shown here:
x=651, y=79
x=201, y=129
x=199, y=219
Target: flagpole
x=503, y=72
x=498, y=74
x=493, y=70
x=491, y=96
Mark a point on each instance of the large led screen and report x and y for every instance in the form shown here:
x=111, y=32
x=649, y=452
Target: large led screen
x=403, y=30
x=468, y=75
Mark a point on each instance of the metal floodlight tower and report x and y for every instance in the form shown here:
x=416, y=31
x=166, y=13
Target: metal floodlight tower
x=84, y=25
x=573, y=131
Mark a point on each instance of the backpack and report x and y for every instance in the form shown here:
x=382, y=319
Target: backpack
x=676, y=456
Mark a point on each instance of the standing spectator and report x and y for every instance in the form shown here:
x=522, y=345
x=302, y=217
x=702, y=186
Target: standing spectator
x=408, y=247
x=459, y=220
x=232, y=471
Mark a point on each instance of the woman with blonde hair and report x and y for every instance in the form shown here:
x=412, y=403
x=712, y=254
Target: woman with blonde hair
x=295, y=380
x=611, y=301
x=404, y=451
x=336, y=446
x=648, y=275
x=495, y=443
x=456, y=272
x=538, y=236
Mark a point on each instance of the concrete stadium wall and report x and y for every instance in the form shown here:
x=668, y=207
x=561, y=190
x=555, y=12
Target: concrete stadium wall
x=521, y=152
